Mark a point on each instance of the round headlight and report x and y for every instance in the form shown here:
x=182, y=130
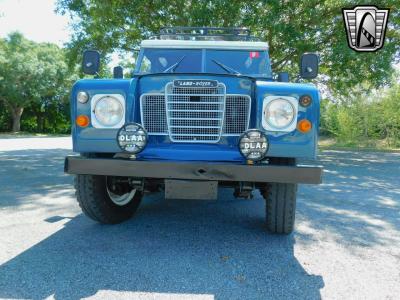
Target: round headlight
x=279, y=113
x=108, y=111
x=82, y=97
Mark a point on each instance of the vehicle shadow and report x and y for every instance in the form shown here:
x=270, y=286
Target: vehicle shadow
x=217, y=249
x=359, y=200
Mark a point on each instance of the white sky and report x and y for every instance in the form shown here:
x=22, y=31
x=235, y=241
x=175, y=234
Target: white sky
x=35, y=19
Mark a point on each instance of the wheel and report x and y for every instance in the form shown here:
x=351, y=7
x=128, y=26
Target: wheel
x=280, y=202
x=107, y=200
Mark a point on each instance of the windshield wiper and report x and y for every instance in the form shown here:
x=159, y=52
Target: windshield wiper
x=226, y=68
x=174, y=66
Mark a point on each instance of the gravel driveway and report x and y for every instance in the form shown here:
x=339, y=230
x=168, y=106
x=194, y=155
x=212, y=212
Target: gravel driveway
x=346, y=244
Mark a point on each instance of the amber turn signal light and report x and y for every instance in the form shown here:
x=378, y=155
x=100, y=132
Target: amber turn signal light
x=304, y=126
x=82, y=121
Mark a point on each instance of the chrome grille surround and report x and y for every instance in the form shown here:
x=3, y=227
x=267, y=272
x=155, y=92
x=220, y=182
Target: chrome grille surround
x=156, y=119
x=187, y=110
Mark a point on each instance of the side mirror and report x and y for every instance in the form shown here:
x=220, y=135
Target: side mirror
x=91, y=62
x=118, y=72
x=283, y=77
x=309, y=65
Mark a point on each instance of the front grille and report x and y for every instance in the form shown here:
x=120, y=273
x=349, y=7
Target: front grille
x=237, y=114
x=152, y=108
x=195, y=114
x=194, y=106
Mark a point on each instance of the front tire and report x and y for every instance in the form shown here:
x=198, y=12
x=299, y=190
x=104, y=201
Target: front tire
x=280, y=202
x=95, y=201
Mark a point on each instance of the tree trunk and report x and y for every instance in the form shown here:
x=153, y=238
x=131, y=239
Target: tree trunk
x=16, y=116
x=39, y=122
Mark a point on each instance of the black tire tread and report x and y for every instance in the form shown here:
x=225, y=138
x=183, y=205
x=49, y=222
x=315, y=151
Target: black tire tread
x=82, y=191
x=280, y=200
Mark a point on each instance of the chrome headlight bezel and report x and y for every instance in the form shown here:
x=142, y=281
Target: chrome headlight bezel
x=291, y=125
x=96, y=122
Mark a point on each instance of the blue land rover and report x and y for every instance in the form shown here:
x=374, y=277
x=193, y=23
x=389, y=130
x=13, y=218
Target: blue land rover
x=202, y=110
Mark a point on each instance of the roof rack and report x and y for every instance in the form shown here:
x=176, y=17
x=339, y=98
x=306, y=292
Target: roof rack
x=205, y=33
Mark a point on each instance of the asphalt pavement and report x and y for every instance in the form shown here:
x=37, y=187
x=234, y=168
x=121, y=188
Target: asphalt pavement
x=346, y=244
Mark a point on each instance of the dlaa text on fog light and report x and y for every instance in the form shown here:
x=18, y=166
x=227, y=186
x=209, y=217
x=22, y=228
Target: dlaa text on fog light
x=132, y=138
x=253, y=144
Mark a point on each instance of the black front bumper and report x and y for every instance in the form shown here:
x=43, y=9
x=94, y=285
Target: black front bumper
x=193, y=170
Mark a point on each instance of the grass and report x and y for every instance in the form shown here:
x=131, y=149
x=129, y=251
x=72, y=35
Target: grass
x=329, y=143
x=23, y=134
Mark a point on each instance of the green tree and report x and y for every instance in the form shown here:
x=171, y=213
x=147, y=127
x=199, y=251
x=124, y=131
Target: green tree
x=363, y=119
x=31, y=75
x=390, y=115
x=290, y=27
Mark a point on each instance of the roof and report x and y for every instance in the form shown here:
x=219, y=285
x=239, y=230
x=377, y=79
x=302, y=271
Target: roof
x=187, y=44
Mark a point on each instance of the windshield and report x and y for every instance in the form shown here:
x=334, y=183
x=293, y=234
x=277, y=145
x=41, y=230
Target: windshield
x=246, y=62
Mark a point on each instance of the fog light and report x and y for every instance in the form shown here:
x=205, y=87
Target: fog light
x=305, y=101
x=132, y=138
x=82, y=121
x=253, y=145
x=304, y=126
